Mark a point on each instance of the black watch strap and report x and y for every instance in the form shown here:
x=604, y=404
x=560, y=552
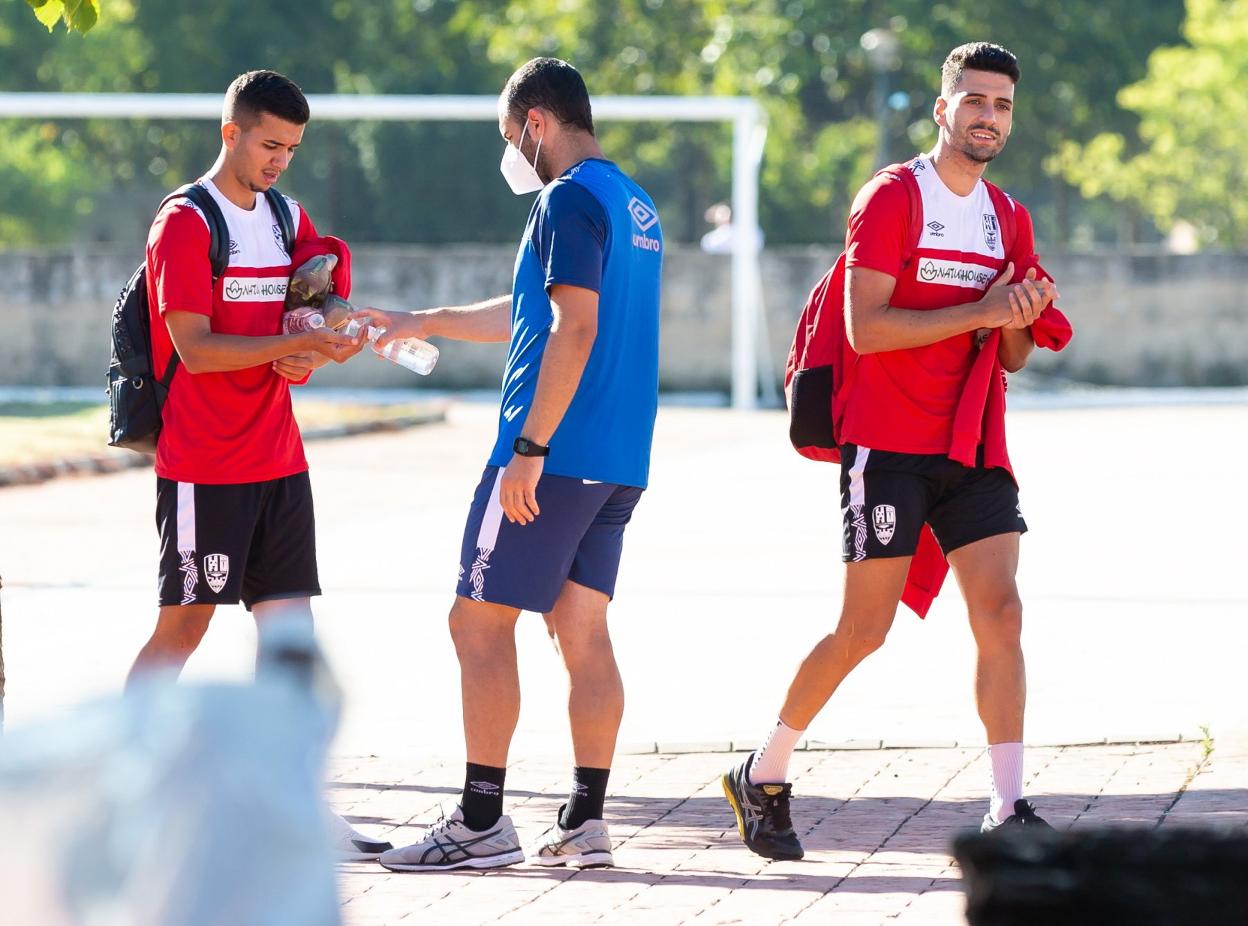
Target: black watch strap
x=527, y=448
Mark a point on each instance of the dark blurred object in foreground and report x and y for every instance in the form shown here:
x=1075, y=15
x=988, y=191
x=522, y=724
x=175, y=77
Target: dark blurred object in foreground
x=1122, y=876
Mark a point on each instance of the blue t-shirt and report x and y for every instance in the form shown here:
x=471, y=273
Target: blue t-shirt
x=594, y=228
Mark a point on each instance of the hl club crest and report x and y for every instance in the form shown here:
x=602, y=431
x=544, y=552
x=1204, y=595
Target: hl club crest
x=884, y=520
x=216, y=570
x=991, y=230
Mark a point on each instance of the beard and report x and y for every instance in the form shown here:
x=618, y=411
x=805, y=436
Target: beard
x=542, y=166
x=980, y=154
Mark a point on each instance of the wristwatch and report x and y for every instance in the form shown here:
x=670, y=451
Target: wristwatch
x=527, y=448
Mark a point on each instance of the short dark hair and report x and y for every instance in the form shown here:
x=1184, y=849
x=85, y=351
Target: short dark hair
x=976, y=56
x=553, y=85
x=252, y=94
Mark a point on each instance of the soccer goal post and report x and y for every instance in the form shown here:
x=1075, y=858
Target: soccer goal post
x=748, y=137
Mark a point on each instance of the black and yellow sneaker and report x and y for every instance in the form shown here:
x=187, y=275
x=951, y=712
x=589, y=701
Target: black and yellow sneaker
x=762, y=814
x=1024, y=815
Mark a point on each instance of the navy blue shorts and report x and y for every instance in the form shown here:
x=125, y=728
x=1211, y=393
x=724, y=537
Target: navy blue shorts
x=578, y=536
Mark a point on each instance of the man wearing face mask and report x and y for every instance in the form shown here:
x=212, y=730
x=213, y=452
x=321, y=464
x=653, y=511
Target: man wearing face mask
x=546, y=526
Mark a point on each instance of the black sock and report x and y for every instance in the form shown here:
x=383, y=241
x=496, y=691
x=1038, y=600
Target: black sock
x=482, y=802
x=589, y=790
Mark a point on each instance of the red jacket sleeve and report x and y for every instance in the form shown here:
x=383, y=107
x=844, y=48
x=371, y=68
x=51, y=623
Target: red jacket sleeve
x=1052, y=330
x=309, y=244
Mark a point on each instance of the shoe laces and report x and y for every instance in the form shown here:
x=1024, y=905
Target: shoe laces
x=776, y=809
x=441, y=825
x=1024, y=813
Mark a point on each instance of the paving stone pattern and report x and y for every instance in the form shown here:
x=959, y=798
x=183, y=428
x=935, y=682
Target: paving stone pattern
x=876, y=825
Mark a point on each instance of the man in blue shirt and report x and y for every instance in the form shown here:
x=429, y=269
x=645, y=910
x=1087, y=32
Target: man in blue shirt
x=546, y=526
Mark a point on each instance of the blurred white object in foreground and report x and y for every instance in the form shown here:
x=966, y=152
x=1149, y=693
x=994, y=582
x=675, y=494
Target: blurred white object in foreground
x=177, y=805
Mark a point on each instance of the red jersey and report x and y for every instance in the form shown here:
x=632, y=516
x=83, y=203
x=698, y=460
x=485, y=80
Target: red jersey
x=906, y=400
x=224, y=427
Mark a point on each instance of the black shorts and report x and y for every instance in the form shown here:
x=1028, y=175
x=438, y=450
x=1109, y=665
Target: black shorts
x=249, y=542
x=886, y=497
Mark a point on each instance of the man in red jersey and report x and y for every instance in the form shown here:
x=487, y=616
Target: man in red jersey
x=918, y=317
x=233, y=500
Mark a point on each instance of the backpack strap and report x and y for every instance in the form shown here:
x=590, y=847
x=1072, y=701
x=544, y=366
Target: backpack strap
x=218, y=231
x=285, y=222
x=903, y=174
x=218, y=247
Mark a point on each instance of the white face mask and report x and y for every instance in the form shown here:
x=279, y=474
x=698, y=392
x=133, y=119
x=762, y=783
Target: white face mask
x=520, y=175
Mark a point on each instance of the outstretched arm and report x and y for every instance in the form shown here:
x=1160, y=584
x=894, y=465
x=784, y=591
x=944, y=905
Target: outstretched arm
x=482, y=321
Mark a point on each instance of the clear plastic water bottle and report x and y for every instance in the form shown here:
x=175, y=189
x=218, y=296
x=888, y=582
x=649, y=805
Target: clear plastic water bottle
x=410, y=353
x=303, y=319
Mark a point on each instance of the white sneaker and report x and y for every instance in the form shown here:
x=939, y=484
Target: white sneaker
x=587, y=846
x=350, y=845
x=449, y=843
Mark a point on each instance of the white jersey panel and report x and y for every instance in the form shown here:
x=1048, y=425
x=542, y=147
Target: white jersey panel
x=966, y=224
x=255, y=235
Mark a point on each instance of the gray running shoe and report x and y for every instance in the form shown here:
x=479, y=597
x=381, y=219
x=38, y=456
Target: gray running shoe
x=350, y=845
x=450, y=844
x=587, y=846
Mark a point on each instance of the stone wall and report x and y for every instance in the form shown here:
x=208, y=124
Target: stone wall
x=1140, y=318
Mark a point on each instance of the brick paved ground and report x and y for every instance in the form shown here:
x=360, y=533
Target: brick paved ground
x=734, y=551
x=876, y=825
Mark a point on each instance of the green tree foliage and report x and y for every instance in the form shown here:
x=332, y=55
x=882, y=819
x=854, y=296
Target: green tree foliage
x=438, y=182
x=78, y=15
x=1188, y=162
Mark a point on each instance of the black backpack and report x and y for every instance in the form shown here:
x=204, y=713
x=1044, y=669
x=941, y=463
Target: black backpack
x=135, y=394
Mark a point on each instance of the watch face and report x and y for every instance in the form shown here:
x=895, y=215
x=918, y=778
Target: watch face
x=526, y=448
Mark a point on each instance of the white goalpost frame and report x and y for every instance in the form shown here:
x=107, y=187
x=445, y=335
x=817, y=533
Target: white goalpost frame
x=748, y=136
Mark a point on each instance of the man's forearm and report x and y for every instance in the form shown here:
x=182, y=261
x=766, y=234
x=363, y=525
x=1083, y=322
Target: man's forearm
x=1016, y=346
x=563, y=362
x=482, y=321
x=225, y=353
x=891, y=328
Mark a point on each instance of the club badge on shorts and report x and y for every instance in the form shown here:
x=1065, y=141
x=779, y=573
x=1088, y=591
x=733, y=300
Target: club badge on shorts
x=883, y=519
x=216, y=570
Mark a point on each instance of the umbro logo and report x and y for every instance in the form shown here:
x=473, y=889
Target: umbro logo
x=937, y=230
x=643, y=215
x=645, y=219
x=485, y=787
x=235, y=248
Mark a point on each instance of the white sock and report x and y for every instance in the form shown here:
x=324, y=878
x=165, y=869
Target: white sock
x=282, y=618
x=771, y=762
x=1007, y=778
